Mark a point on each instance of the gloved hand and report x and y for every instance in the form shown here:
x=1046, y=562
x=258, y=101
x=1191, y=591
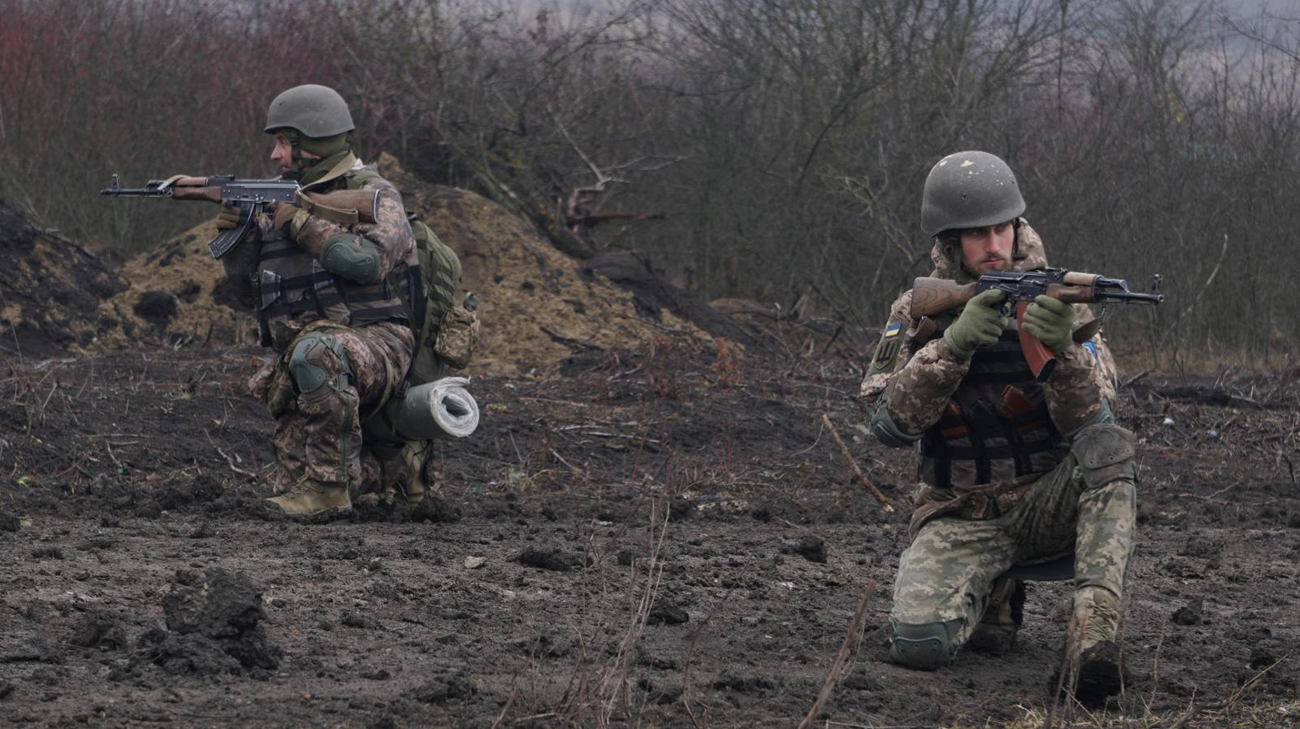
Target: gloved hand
x=1050, y=322
x=980, y=325
x=284, y=213
x=228, y=217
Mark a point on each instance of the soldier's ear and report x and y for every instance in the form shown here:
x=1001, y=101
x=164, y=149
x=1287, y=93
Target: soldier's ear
x=1016, y=255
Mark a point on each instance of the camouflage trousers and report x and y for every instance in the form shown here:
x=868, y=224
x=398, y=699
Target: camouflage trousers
x=1086, y=505
x=329, y=377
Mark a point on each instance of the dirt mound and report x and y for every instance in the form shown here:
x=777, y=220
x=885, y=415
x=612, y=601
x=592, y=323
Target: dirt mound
x=50, y=291
x=538, y=305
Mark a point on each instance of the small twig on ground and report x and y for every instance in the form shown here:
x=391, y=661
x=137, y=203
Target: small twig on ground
x=572, y=467
x=514, y=691
x=1155, y=664
x=686, y=664
x=552, y=400
x=884, y=502
x=850, y=640
x=235, y=468
x=1134, y=378
x=1066, y=672
x=800, y=527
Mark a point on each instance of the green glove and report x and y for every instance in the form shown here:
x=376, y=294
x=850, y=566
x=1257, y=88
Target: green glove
x=1050, y=322
x=980, y=324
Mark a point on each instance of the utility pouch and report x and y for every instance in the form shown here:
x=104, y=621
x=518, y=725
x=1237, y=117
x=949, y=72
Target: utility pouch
x=458, y=336
x=279, y=393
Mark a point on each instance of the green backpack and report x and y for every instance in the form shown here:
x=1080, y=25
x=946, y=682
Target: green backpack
x=450, y=331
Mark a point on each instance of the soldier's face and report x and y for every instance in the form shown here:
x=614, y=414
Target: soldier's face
x=282, y=153
x=987, y=249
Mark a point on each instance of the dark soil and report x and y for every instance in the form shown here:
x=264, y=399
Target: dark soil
x=656, y=548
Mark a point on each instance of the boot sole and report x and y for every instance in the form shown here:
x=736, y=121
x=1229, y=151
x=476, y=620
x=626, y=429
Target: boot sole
x=275, y=513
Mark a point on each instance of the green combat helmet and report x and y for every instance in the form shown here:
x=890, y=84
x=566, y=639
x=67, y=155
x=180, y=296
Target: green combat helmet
x=969, y=190
x=318, y=115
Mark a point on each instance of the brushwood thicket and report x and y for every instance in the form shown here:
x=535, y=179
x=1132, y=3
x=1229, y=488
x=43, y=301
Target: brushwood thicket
x=776, y=149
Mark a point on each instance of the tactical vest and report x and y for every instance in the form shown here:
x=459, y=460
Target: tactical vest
x=292, y=286
x=996, y=427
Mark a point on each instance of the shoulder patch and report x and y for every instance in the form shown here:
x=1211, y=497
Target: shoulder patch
x=882, y=360
x=1092, y=348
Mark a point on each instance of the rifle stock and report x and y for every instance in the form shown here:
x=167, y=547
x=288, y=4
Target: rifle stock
x=931, y=296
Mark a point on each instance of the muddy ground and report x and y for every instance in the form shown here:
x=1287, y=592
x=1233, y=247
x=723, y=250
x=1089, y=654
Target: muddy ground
x=663, y=537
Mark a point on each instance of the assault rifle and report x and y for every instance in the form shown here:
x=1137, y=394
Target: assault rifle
x=932, y=296
x=255, y=196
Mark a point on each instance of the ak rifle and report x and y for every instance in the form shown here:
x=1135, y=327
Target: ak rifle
x=255, y=196
x=931, y=296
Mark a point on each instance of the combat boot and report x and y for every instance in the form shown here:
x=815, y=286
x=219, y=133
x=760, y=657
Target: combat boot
x=313, y=498
x=995, y=635
x=1101, y=673
x=415, y=484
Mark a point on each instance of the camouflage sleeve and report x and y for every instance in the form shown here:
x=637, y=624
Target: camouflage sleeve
x=917, y=395
x=1084, y=378
x=390, y=233
x=913, y=383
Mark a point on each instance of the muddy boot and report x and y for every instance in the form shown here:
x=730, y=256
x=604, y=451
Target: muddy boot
x=414, y=486
x=1100, y=670
x=313, y=498
x=996, y=633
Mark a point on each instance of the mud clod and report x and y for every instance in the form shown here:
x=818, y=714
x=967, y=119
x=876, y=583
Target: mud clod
x=1193, y=613
x=353, y=620
x=668, y=615
x=6, y=690
x=743, y=684
x=9, y=523
x=1100, y=674
x=442, y=690
x=547, y=559
x=215, y=623
x=859, y=682
x=47, y=553
x=98, y=630
x=810, y=547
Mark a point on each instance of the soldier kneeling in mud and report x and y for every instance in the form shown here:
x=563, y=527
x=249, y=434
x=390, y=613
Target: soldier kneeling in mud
x=326, y=292
x=1012, y=471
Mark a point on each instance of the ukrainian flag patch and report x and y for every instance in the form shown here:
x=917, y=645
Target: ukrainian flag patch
x=1088, y=345
x=893, y=330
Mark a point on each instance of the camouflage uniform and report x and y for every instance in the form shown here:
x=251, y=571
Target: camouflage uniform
x=1011, y=471
x=344, y=347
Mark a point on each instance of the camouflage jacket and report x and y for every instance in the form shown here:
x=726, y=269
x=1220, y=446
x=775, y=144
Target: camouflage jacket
x=987, y=430
x=281, y=277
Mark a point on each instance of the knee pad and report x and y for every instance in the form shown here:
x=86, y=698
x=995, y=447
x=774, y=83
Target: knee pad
x=311, y=367
x=1105, y=453
x=924, y=647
